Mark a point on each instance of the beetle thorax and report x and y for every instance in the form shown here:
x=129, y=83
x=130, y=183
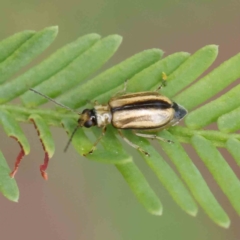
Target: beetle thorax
x=103, y=115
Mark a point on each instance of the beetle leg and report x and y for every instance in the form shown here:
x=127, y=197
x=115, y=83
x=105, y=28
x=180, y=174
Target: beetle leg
x=123, y=91
x=152, y=137
x=159, y=88
x=132, y=144
x=163, y=84
x=104, y=129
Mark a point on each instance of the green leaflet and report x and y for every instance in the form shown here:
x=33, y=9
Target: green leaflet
x=78, y=70
x=214, y=109
x=230, y=122
x=27, y=52
x=233, y=146
x=166, y=175
x=44, y=134
x=210, y=84
x=192, y=68
x=130, y=172
x=150, y=77
x=12, y=43
x=13, y=130
x=109, y=79
x=221, y=171
x=194, y=180
x=8, y=186
x=140, y=187
x=46, y=140
x=43, y=71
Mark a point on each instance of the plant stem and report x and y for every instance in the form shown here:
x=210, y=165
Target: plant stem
x=218, y=138
x=52, y=117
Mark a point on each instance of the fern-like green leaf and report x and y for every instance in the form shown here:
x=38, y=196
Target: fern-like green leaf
x=62, y=76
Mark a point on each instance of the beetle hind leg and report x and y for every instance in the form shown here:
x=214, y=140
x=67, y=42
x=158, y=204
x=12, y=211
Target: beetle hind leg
x=132, y=144
x=123, y=91
x=150, y=136
x=163, y=83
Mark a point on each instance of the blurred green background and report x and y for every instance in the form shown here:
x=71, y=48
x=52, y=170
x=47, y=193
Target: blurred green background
x=89, y=200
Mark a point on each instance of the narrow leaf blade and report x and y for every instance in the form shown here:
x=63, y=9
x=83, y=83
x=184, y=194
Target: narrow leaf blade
x=166, y=175
x=211, y=111
x=44, y=134
x=12, y=43
x=192, y=68
x=210, y=84
x=8, y=186
x=233, y=146
x=13, y=129
x=140, y=187
x=194, y=180
x=46, y=140
x=229, y=122
x=27, y=52
x=43, y=71
x=220, y=170
x=109, y=79
x=77, y=71
x=149, y=77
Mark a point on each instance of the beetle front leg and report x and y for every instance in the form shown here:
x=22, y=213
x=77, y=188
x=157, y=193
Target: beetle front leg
x=104, y=129
x=152, y=137
x=132, y=144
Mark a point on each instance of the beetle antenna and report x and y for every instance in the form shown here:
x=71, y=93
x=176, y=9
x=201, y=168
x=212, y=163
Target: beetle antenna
x=52, y=100
x=71, y=137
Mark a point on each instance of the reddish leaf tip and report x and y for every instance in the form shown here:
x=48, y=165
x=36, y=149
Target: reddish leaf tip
x=44, y=174
x=44, y=166
x=18, y=159
x=12, y=174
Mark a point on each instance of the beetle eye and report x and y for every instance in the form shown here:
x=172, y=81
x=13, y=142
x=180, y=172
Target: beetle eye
x=88, y=124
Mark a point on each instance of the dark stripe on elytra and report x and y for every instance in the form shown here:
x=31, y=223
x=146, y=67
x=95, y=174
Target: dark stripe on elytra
x=157, y=104
x=175, y=106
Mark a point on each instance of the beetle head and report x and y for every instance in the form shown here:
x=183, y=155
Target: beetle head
x=87, y=118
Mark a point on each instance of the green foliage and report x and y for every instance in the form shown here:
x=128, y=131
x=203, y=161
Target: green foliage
x=8, y=186
x=62, y=75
